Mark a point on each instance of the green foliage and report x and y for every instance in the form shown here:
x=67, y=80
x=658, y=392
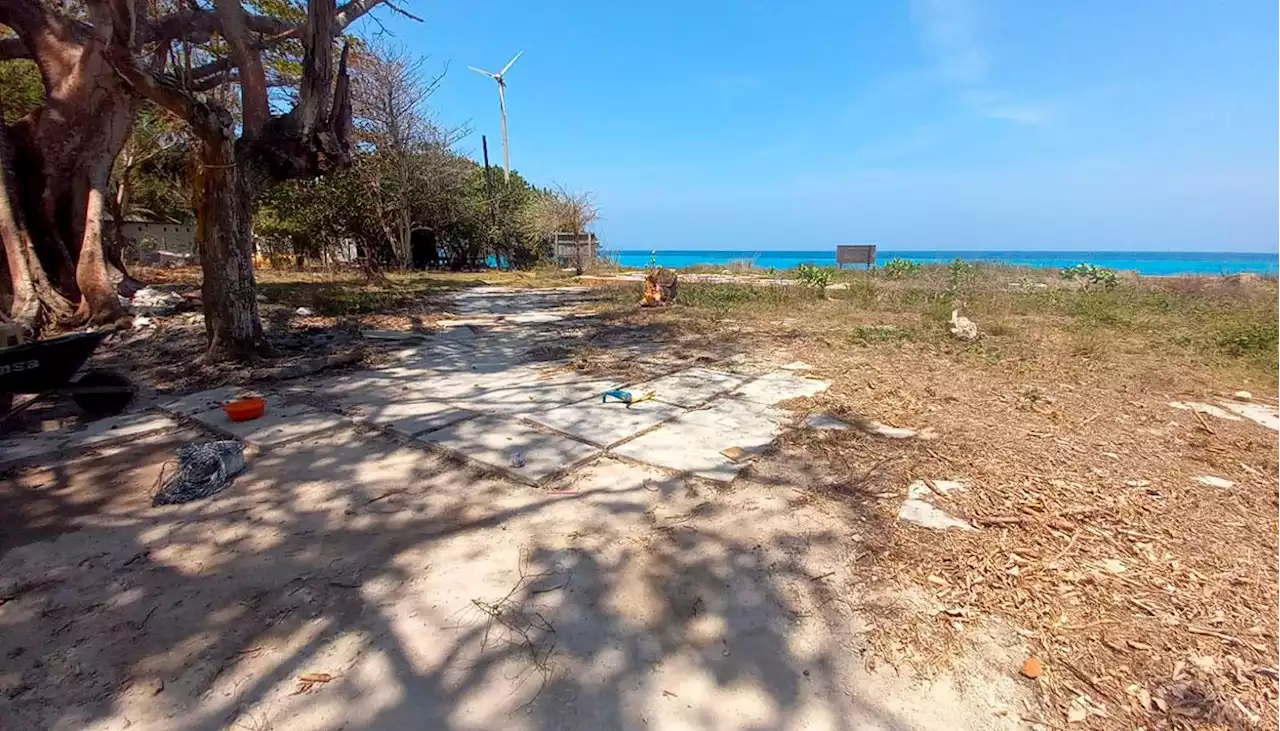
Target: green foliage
x=21, y=89
x=814, y=276
x=961, y=276
x=1091, y=275
x=900, y=269
x=1242, y=339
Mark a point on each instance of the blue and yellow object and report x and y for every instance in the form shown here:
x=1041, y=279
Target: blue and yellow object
x=626, y=397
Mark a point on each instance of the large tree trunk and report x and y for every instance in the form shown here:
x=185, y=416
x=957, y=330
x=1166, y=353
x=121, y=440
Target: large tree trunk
x=34, y=299
x=66, y=149
x=225, y=216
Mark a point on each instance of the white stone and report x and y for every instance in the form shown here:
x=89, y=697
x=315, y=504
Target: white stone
x=772, y=388
x=1218, y=482
x=693, y=441
x=689, y=387
x=494, y=440
x=917, y=508
x=926, y=515
x=410, y=418
x=826, y=422
x=890, y=432
x=1242, y=396
x=962, y=327
x=281, y=423
x=605, y=424
x=1208, y=409
x=1260, y=414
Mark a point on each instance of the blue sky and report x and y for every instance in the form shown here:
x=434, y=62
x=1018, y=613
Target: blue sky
x=951, y=124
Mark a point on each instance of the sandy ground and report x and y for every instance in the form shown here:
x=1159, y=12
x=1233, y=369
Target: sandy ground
x=427, y=594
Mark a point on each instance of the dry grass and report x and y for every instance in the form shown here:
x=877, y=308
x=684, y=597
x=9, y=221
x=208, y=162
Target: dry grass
x=1150, y=598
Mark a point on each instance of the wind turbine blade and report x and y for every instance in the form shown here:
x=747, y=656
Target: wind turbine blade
x=510, y=63
x=481, y=71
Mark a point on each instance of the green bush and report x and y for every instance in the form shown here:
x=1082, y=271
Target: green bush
x=961, y=277
x=1091, y=275
x=1249, y=339
x=814, y=276
x=900, y=269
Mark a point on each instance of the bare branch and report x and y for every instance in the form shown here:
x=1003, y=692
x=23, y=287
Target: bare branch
x=253, y=80
x=351, y=12
x=401, y=11
x=207, y=121
x=197, y=26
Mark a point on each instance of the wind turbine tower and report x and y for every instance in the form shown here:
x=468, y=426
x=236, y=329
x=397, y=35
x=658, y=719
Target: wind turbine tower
x=501, y=78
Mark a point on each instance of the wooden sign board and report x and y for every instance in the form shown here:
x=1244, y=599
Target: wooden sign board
x=856, y=254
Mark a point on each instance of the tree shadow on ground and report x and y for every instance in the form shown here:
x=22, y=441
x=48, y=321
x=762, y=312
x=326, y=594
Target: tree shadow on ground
x=434, y=594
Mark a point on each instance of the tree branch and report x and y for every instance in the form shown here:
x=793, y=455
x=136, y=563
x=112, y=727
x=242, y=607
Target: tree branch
x=197, y=26
x=253, y=79
x=317, y=67
x=208, y=121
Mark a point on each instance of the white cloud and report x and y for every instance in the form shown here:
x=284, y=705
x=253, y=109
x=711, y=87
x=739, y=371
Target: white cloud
x=948, y=28
x=950, y=31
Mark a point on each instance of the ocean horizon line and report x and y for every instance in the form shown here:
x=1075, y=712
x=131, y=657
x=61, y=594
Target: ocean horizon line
x=1158, y=263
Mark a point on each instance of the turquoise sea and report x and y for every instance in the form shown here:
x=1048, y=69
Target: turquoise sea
x=1143, y=262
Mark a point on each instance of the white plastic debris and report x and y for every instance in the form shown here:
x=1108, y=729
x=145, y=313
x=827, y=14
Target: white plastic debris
x=304, y=312
x=154, y=302
x=962, y=327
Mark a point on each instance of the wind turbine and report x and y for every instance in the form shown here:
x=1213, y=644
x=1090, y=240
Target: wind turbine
x=501, y=78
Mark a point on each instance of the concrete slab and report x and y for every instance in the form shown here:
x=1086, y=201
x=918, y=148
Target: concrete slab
x=29, y=448
x=521, y=451
x=19, y=450
x=528, y=390
x=605, y=424
x=380, y=386
x=693, y=441
x=410, y=418
x=281, y=423
x=773, y=388
x=114, y=428
x=204, y=400
x=690, y=387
